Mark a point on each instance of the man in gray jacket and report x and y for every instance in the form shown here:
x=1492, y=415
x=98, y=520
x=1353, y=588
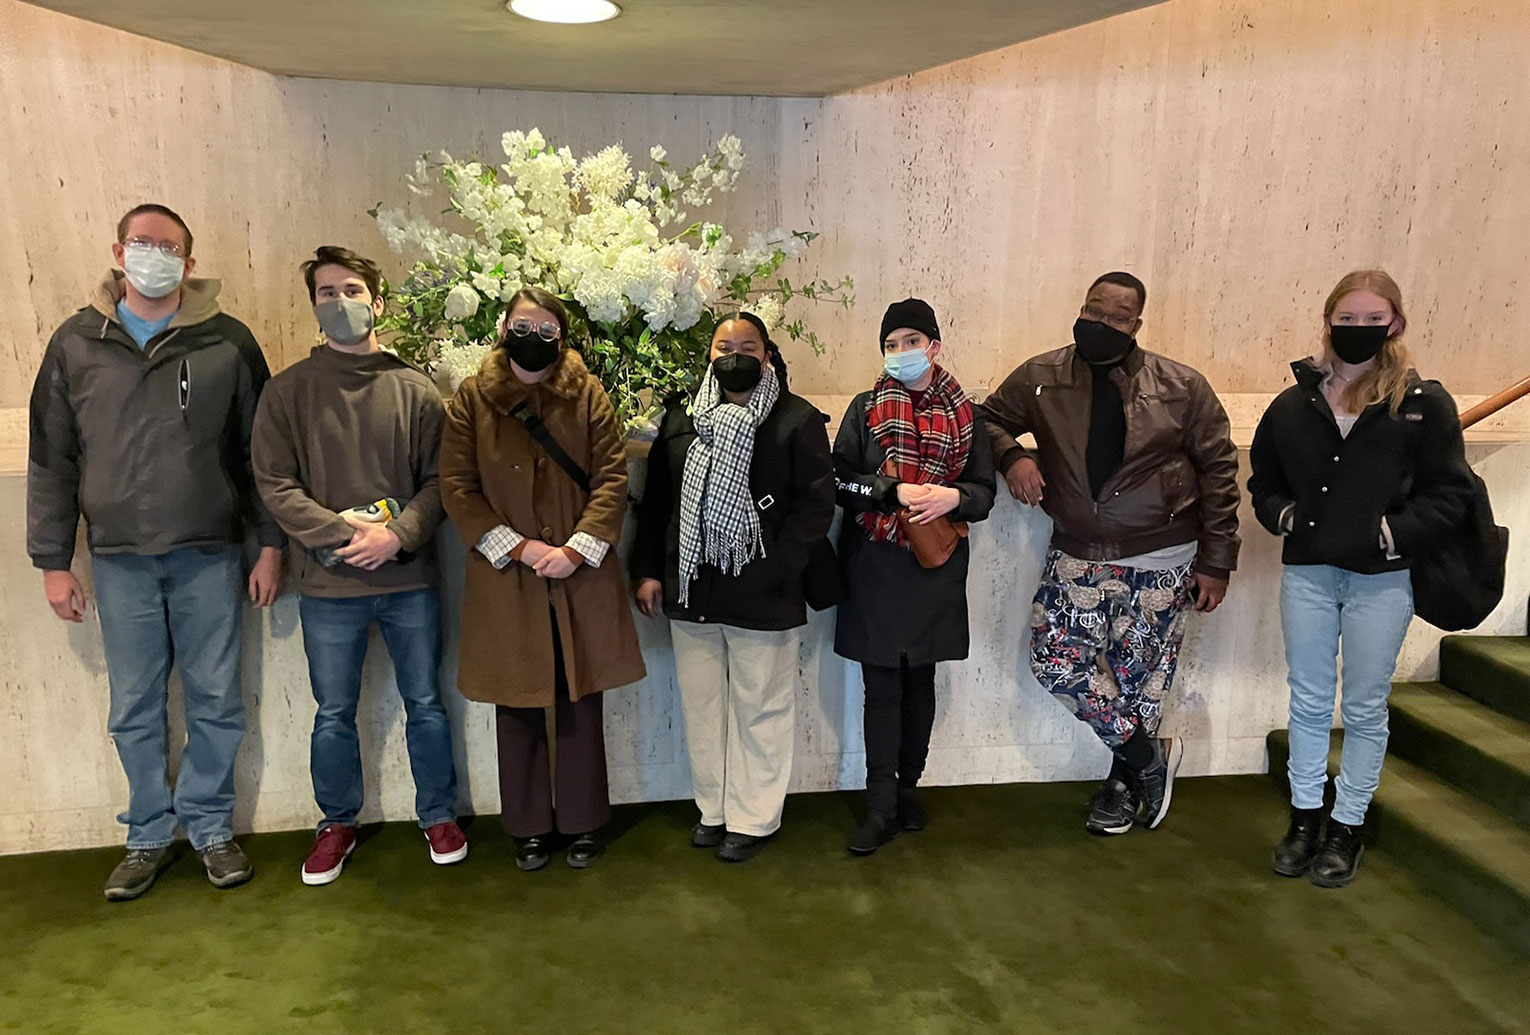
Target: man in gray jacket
x=140, y=422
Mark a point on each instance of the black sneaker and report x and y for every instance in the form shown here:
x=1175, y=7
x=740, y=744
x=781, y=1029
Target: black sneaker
x=873, y=834
x=1293, y=856
x=706, y=835
x=1338, y=860
x=1155, y=784
x=135, y=873
x=227, y=865
x=910, y=810
x=737, y=848
x=532, y=853
x=1113, y=809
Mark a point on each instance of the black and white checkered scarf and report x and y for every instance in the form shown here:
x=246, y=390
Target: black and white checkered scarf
x=718, y=521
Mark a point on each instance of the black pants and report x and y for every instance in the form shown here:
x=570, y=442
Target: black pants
x=528, y=785
x=900, y=712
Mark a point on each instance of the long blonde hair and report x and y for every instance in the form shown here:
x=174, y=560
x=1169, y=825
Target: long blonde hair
x=1387, y=381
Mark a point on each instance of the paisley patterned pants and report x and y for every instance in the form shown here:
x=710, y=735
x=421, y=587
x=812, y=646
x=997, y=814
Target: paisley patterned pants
x=1105, y=640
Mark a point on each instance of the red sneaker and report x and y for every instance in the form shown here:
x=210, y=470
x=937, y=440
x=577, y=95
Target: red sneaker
x=448, y=844
x=327, y=857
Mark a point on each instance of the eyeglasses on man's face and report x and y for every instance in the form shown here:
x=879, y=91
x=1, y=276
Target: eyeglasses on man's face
x=174, y=249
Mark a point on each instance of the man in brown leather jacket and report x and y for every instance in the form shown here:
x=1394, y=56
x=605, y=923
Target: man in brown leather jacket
x=1136, y=468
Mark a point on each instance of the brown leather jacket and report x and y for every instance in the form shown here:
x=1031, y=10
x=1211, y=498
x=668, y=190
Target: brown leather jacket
x=1177, y=484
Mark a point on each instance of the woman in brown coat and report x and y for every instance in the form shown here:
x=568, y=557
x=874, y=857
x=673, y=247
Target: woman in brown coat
x=546, y=621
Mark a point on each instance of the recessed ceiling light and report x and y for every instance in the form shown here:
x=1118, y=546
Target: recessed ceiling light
x=565, y=12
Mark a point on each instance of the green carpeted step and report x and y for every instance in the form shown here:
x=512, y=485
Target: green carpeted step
x=1463, y=850
x=1483, y=752
x=1492, y=669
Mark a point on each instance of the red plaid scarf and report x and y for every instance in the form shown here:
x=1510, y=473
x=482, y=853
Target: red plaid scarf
x=928, y=445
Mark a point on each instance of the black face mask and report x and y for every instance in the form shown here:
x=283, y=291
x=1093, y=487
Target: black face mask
x=531, y=352
x=1100, y=343
x=736, y=372
x=1355, y=344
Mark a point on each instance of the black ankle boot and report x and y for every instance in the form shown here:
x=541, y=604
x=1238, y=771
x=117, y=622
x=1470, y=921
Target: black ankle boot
x=1294, y=854
x=878, y=829
x=1338, y=860
x=911, y=814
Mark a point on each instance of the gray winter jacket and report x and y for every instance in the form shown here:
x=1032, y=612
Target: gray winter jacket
x=151, y=445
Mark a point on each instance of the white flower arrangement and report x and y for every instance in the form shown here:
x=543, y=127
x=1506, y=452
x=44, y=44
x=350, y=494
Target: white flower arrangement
x=644, y=288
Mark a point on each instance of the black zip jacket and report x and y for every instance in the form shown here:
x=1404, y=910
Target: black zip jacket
x=791, y=477
x=1409, y=467
x=151, y=445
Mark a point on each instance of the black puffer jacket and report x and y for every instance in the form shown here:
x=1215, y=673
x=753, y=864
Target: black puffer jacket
x=1409, y=467
x=791, y=478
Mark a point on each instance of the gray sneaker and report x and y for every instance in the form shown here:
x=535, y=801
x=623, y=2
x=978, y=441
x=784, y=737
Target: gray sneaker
x=135, y=873
x=1113, y=809
x=227, y=865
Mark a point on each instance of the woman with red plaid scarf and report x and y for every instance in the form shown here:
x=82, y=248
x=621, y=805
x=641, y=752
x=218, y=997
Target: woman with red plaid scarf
x=913, y=466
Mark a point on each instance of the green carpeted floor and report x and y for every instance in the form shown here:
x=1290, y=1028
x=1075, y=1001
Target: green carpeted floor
x=1003, y=916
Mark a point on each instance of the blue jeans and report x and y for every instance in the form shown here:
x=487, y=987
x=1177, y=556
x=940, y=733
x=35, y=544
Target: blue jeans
x=335, y=640
x=182, y=606
x=1322, y=607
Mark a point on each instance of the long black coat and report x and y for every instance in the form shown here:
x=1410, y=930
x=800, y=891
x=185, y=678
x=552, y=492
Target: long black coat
x=894, y=609
x=791, y=478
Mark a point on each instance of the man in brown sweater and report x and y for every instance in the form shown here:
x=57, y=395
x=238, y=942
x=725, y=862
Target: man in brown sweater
x=1136, y=467
x=345, y=447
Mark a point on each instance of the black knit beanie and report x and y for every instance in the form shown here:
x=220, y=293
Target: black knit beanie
x=913, y=313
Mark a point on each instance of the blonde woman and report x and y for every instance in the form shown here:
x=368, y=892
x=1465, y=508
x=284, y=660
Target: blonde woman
x=1358, y=466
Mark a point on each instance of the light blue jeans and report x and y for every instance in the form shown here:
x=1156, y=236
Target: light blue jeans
x=182, y=607
x=1322, y=608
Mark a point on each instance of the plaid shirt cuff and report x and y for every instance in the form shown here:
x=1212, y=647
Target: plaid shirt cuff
x=497, y=543
x=587, y=546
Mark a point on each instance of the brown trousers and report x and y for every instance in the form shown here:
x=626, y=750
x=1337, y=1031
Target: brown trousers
x=575, y=777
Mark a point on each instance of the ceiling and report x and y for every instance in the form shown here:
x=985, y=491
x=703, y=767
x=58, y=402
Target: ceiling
x=752, y=47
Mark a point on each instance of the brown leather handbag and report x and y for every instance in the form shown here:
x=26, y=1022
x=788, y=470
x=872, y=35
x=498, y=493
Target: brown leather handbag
x=933, y=543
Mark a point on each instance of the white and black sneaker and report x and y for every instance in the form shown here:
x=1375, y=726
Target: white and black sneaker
x=1113, y=809
x=1155, y=784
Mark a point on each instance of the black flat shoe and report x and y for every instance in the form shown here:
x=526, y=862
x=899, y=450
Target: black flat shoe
x=532, y=853
x=704, y=835
x=737, y=848
x=584, y=851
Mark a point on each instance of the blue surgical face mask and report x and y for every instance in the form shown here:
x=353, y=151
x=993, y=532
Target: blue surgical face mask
x=907, y=367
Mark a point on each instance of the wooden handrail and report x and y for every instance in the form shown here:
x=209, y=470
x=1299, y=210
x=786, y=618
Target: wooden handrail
x=1492, y=404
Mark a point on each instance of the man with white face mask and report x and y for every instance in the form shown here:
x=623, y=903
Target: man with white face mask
x=345, y=447
x=140, y=422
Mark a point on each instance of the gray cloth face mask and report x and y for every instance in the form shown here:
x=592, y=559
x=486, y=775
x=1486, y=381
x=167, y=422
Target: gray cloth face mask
x=345, y=321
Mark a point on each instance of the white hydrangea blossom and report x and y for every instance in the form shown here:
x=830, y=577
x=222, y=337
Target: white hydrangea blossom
x=461, y=360
x=461, y=303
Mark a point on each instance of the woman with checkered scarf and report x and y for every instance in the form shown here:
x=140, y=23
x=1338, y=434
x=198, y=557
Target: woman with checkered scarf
x=912, y=445
x=740, y=487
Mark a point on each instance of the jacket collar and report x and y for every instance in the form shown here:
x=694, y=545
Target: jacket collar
x=199, y=299
x=503, y=389
x=1129, y=365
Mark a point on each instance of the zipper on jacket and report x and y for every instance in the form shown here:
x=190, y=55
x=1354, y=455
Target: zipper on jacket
x=183, y=387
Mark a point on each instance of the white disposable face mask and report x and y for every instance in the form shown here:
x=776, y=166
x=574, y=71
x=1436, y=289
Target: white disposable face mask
x=152, y=273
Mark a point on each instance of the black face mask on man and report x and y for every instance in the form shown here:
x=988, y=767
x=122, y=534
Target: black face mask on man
x=531, y=352
x=1355, y=343
x=736, y=372
x=1100, y=343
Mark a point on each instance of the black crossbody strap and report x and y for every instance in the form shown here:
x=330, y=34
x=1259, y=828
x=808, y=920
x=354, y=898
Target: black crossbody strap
x=545, y=439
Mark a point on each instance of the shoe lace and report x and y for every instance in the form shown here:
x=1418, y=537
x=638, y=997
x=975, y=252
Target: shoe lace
x=1113, y=797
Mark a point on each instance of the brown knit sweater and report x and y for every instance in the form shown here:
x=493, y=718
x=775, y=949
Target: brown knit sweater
x=336, y=431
